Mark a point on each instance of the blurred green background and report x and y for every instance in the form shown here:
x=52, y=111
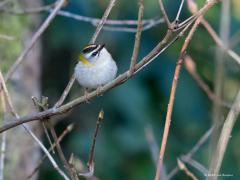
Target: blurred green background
x=122, y=151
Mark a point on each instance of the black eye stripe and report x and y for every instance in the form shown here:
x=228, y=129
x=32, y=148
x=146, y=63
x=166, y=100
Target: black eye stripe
x=89, y=48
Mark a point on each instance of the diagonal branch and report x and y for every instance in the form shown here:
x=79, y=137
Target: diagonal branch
x=103, y=20
x=28, y=130
x=217, y=158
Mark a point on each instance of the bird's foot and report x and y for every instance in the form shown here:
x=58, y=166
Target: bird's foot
x=99, y=91
x=87, y=99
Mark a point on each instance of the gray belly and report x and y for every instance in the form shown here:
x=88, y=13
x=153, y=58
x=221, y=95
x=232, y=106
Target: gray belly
x=95, y=76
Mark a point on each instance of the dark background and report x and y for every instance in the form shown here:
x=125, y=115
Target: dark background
x=122, y=151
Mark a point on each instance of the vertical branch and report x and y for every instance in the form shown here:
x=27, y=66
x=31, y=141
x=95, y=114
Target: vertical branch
x=91, y=154
x=172, y=96
x=103, y=20
x=137, y=37
x=219, y=152
x=219, y=71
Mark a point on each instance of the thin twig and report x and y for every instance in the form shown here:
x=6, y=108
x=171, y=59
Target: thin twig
x=219, y=42
x=179, y=11
x=225, y=135
x=190, y=67
x=34, y=39
x=208, y=5
x=103, y=20
x=165, y=16
x=183, y=167
x=60, y=152
x=65, y=92
x=12, y=110
x=90, y=163
x=195, y=148
x=42, y=105
x=196, y=165
x=137, y=38
x=60, y=138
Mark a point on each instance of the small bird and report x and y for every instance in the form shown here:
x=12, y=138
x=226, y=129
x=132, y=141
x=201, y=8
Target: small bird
x=96, y=67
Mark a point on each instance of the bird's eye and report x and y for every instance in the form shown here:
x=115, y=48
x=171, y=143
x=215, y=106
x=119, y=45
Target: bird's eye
x=94, y=54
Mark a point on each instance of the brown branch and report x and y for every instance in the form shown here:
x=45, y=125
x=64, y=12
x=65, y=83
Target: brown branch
x=34, y=39
x=190, y=67
x=90, y=163
x=103, y=20
x=60, y=138
x=183, y=167
x=165, y=16
x=60, y=152
x=207, y=5
x=137, y=38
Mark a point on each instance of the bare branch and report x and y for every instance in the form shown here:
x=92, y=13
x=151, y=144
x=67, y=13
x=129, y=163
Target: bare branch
x=196, y=165
x=137, y=38
x=165, y=16
x=34, y=39
x=91, y=154
x=183, y=167
x=103, y=20
x=60, y=138
x=179, y=11
x=190, y=67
